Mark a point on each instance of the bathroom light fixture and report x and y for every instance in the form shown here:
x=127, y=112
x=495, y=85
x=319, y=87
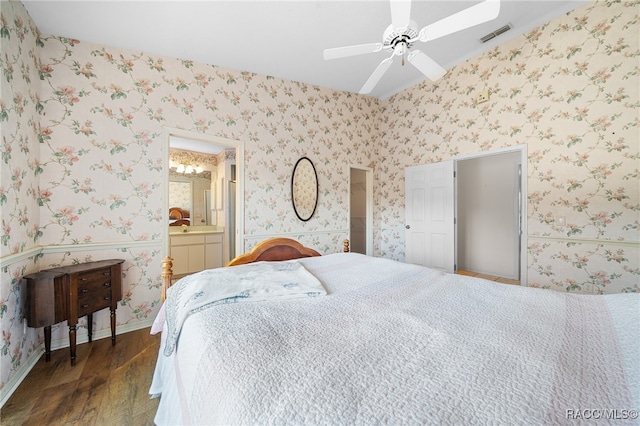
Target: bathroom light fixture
x=188, y=169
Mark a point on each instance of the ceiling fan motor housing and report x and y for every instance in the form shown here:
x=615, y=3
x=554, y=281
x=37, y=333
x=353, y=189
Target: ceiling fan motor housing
x=392, y=36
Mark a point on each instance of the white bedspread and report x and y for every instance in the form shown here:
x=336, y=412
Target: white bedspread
x=253, y=282
x=394, y=343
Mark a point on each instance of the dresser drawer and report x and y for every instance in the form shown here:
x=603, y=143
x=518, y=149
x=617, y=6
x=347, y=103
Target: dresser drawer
x=94, y=281
x=93, y=301
x=68, y=292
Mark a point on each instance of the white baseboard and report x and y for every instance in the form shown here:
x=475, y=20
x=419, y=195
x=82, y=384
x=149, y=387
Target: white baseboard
x=17, y=378
x=20, y=374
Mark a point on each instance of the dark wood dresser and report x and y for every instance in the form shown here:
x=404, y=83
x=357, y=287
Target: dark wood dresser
x=69, y=292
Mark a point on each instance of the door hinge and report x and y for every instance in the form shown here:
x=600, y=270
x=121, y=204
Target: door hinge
x=454, y=173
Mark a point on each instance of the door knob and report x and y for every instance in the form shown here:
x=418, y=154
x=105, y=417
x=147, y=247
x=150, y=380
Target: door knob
x=408, y=226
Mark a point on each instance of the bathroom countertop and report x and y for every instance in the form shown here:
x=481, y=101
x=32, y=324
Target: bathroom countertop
x=191, y=230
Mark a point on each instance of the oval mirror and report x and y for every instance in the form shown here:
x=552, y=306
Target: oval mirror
x=304, y=189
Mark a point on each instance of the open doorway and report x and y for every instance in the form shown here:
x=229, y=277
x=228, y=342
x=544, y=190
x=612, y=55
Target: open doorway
x=488, y=195
x=361, y=210
x=433, y=201
x=222, y=204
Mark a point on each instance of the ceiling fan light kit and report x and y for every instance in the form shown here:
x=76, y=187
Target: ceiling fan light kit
x=402, y=34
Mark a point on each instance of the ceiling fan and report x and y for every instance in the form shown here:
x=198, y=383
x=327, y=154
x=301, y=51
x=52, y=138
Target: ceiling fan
x=402, y=34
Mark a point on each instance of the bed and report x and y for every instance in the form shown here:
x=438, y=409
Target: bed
x=364, y=340
x=179, y=217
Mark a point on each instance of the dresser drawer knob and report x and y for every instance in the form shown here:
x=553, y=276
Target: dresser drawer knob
x=106, y=274
x=84, y=279
x=107, y=284
x=85, y=290
x=85, y=306
x=107, y=298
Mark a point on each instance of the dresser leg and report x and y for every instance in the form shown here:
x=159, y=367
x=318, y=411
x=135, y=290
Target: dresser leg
x=113, y=327
x=47, y=343
x=90, y=326
x=72, y=343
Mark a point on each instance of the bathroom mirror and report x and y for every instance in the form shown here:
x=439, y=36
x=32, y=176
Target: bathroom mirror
x=191, y=186
x=304, y=189
x=180, y=201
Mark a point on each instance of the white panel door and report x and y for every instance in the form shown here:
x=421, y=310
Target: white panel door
x=429, y=215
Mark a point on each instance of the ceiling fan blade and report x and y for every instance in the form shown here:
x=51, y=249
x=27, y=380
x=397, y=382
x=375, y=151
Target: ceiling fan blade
x=474, y=15
x=360, y=49
x=426, y=65
x=400, y=13
x=376, y=76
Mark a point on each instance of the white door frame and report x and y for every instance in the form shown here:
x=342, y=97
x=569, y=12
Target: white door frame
x=168, y=132
x=522, y=149
x=369, y=208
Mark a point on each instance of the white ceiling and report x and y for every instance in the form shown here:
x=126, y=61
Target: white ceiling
x=283, y=38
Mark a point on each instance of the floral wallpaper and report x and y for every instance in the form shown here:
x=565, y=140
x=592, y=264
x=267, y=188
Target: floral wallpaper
x=569, y=91
x=194, y=159
x=180, y=196
x=83, y=156
x=19, y=168
x=86, y=161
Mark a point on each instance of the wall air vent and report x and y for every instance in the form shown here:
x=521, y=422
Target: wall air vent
x=496, y=33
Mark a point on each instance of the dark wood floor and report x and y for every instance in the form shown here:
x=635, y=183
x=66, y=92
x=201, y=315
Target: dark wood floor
x=107, y=386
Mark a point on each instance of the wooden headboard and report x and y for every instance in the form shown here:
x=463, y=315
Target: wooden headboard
x=176, y=213
x=273, y=249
